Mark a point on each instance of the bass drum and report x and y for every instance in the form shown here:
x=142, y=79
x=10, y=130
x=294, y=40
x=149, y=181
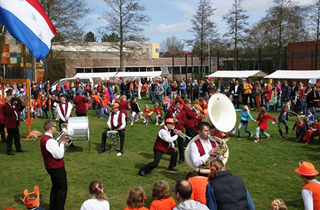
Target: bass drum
x=205, y=169
x=80, y=126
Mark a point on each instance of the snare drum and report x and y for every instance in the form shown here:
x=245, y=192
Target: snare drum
x=112, y=134
x=80, y=125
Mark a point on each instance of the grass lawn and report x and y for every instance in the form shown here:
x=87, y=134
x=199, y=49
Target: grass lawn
x=267, y=168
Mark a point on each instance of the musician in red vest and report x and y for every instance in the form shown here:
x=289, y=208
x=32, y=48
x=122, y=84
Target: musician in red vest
x=179, y=115
x=191, y=117
x=164, y=144
x=117, y=122
x=52, y=153
x=80, y=102
x=11, y=112
x=64, y=111
x=203, y=148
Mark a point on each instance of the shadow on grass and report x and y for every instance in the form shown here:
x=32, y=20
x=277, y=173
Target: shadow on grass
x=146, y=155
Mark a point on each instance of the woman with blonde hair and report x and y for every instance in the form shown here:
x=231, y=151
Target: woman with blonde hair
x=226, y=191
x=163, y=200
x=136, y=199
x=98, y=200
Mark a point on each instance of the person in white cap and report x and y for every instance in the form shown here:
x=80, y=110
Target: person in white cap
x=311, y=191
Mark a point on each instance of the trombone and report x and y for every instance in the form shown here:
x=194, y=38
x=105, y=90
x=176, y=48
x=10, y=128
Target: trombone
x=196, y=110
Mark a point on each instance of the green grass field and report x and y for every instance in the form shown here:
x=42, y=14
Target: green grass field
x=267, y=168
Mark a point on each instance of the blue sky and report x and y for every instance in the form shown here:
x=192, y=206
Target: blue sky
x=173, y=17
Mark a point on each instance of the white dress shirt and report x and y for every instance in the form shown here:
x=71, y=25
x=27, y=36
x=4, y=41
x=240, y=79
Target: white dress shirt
x=115, y=120
x=68, y=112
x=165, y=135
x=195, y=157
x=56, y=149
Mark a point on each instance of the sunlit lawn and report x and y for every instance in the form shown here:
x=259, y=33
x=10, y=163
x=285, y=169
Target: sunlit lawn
x=267, y=168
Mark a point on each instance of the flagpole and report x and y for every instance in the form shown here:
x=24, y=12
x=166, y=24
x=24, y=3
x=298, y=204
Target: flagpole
x=34, y=69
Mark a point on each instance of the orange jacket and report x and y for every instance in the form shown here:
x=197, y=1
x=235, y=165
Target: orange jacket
x=199, y=184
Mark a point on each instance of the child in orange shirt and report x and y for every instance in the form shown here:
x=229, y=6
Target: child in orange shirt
x=158, y=110
x=136, y=199
x=105, y=102
x=298, y=126
x=316, y=128
x=163, y=200
x=97, y=101
x=147, y=114
x=44, y=107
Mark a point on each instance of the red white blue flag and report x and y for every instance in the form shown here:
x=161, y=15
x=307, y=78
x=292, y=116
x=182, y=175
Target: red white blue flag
x=27, y=21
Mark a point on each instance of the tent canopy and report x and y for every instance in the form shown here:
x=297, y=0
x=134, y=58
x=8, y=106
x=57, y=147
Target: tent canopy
x=105, y=75
x=238, y=74
x=296, y=74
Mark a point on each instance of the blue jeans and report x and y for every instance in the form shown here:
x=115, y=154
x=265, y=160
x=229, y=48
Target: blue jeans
x=183, y=94
x=153, y=97
x=97, y=108
x=245, y=124
x=267, y=105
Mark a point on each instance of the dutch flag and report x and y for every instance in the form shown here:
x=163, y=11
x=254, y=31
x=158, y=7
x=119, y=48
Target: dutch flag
x=27, y=21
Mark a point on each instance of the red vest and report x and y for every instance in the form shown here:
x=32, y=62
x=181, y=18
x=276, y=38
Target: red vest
x=66, y=109
x=49, y=161
x=160, y=144
x=119, y=121
x=315, y=189
x=200, y=147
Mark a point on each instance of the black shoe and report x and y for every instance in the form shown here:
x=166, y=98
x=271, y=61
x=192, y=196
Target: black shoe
x=181, y=161
x=172, y=169
x=141, y=173
x=21, y=150
x=10, y=153
x=73, y=146
x=102, y=150
x=121, y=151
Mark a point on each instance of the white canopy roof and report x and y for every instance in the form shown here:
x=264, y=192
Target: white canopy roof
x=295, y=74
x=238, y=74
x=105, y=75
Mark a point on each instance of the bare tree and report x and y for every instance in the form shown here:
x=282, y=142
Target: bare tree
x=126, y=20
x=203, y=29
x=314, y=18
x=68, y=17
x=237, y=23
x=171, y=44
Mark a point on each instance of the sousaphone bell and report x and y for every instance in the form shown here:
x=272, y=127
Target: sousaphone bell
x=222, y=116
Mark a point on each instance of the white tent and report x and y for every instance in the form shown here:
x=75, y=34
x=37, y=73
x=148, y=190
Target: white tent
x=296, y=74
x=238, y=74
x=106, y=75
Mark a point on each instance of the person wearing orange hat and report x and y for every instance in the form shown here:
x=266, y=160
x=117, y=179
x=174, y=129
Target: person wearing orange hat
x=164, y=144
x=116, y=122
x=311, y=191
x=32, y=200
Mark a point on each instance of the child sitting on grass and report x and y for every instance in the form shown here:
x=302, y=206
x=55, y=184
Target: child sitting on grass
x=98, y=200
x=136, y=199
x=263, y=124
x=161, y=193
x=311, y=117
x=298, y=125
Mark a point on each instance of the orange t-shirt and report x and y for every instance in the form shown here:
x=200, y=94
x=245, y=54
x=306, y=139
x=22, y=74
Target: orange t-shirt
x=317, y=126
x=146, y=113
x=139, y=208
x=199, y=184
x=33, y=104
x=163, y=204
x=39, y=102
x=157, y=111
x=97, y=99
x=298, y=125
x=105, y=103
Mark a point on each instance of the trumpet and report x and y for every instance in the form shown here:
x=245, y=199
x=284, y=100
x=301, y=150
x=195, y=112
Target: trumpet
x=196, y=110
x=66, y=133
x=182, y=135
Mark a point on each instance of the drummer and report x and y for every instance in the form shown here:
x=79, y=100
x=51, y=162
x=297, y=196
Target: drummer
x=116, y=122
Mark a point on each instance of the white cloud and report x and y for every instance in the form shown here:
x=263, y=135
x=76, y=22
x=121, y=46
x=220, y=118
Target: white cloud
x=189, y=8
x=172, y=28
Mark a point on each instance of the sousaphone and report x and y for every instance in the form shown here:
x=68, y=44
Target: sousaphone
x=222, y=116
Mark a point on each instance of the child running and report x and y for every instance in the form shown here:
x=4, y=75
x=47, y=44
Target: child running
x=245, y=114
x=158, y=110
x=147, y=114
x=283, y=118
x=263, y=123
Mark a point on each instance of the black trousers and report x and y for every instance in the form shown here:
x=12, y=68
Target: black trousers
x=104, y=138
x=59, y=188
x=3, y=135
x=13, y=133
x=82, y=115
x=180, y=148
x=157, y=156
x=190, y=133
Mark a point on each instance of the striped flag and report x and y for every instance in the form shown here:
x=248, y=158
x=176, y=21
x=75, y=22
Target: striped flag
x=27, y=21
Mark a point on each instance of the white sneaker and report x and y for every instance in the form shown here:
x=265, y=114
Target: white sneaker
x=132, y=123
x=157, y=123
x=119, y=154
